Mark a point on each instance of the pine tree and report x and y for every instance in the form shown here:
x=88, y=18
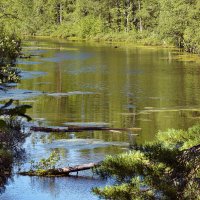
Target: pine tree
x=165, y=169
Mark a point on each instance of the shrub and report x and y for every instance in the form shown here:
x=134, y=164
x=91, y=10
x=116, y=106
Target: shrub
x=168, y=168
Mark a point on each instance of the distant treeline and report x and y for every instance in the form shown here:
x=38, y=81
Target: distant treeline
x=151, y=22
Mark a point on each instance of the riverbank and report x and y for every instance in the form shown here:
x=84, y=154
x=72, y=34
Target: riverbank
x=176, y=53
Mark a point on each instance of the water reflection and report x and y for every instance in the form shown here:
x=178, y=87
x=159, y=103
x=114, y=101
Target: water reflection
x=83, y=83
x=72, y=188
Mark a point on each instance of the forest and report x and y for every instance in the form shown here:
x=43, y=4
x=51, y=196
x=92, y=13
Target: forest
x=167, y=167
x=149, y=22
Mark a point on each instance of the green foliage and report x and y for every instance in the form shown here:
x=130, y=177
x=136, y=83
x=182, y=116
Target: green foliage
x=179, y=21
x=179, y=138
x=165, y=169
x=153, y=22
x=11, y=134
x=10, y=48
x=89, y=26
x=45, y=164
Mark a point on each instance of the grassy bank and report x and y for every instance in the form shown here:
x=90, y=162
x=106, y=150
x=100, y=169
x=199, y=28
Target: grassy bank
x=119, y=42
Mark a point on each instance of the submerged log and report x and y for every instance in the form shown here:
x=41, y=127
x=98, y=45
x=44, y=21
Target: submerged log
x=60, y=171
x=22, y=56
x=79, y=129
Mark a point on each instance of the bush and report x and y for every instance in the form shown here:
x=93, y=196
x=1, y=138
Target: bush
x=10, y=48
x=168, y=168
x=89, y=26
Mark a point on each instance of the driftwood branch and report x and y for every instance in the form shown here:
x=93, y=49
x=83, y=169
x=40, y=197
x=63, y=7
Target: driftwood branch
x=61, y=171
x=80, y=129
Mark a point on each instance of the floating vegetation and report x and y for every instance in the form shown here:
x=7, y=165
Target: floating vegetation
x=188, y=58
x=51, y=48
x=87, y=124
x=69, y=94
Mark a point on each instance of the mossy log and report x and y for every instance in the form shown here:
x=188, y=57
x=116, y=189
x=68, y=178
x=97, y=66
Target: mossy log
x=80, y=129
x=60, y=171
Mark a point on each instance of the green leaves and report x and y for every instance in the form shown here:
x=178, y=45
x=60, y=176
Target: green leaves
x=16, y=111
x=159, y=167
x=154, y=21
x=46, y=164
x=2, y=123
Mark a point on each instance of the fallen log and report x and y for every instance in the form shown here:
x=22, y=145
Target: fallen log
x=60, y=171
x=79, y=129
x=22, y=56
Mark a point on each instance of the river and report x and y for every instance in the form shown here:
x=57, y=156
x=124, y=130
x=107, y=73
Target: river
x=93, y=84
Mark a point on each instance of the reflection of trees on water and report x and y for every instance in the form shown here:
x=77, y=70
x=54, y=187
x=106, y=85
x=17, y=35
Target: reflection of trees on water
x=67, y=187
x=11, y=134
x=11, y=152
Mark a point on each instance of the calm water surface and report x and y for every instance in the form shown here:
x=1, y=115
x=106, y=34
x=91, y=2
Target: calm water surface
x=93, y=84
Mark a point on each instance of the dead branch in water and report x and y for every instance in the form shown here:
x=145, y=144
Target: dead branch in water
x=61, y=171
x=80, y=129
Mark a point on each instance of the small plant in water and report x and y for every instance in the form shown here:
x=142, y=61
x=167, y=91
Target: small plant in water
x=45, y=164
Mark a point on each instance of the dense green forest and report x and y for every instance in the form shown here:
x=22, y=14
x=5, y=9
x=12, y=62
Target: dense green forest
x=150, y=22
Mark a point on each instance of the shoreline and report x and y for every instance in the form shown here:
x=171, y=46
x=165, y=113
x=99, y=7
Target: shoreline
x=182, y=56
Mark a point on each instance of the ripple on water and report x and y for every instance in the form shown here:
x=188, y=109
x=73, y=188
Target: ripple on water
x=63, y=188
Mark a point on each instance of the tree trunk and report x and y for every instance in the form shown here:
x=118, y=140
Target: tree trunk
x=127, y=5
x=140, y=19
x=59, y=13
x=79, y=129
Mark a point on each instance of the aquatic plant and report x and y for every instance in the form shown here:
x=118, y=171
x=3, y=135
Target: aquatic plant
x=45, y=164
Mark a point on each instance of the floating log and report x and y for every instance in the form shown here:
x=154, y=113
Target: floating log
x=61, y=171
x=22, y=56
x=79, y=129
